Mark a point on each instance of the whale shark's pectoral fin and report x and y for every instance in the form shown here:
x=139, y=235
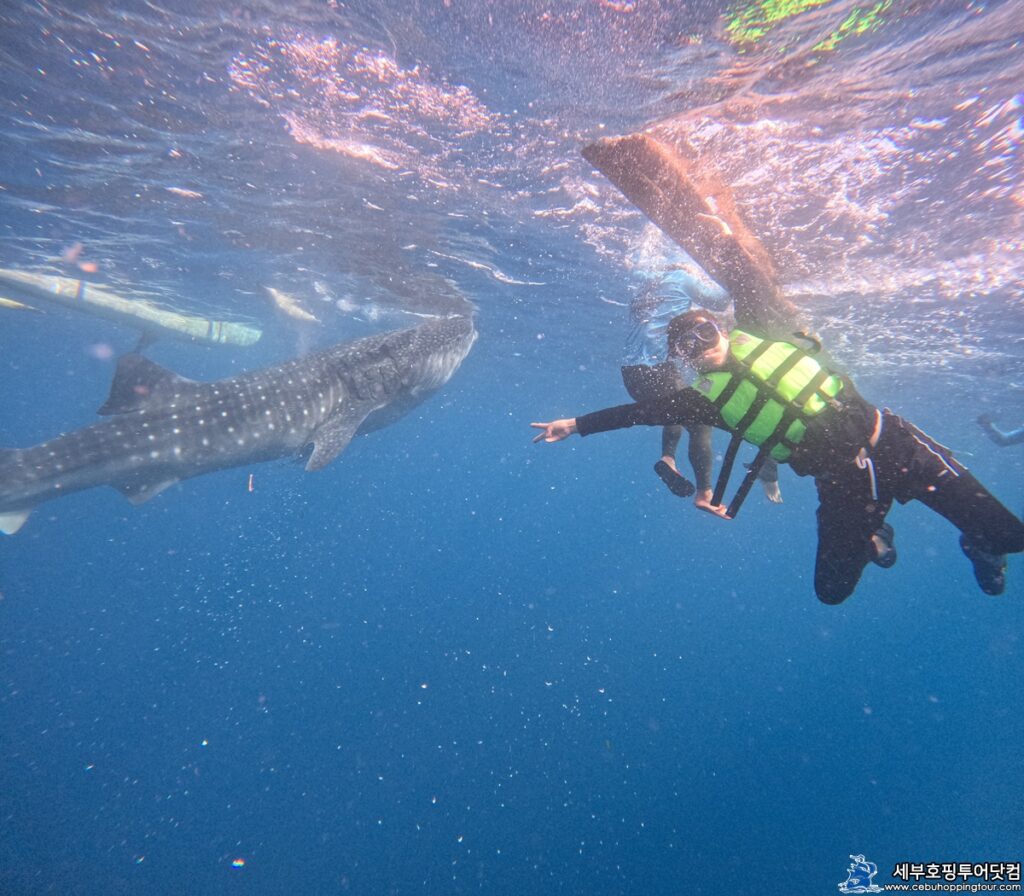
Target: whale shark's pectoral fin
x=139, y=492
x=334, y=434
x=137, y=383
x=13, y=520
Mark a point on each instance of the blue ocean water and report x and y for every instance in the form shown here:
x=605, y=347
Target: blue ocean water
x=455, y=661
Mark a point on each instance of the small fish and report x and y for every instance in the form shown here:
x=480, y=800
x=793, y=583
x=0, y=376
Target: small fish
x=252, y=487
x=289, y=305
x=184, y=193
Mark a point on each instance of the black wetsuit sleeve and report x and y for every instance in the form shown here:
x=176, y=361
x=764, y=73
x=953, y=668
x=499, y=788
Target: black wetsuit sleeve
x=684, y=408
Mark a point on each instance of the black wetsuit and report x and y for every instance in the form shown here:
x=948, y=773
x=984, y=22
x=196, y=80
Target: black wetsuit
x=856, y=484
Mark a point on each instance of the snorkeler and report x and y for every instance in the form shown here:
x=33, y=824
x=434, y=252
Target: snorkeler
x=648, y=373
x=779, y=397
x=1013, y=437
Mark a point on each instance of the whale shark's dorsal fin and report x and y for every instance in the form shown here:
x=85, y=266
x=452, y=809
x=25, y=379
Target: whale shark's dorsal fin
x=334, y=434
x=138, y=382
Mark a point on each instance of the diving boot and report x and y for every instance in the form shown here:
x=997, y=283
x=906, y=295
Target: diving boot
x=989, y=569
x=885, y=556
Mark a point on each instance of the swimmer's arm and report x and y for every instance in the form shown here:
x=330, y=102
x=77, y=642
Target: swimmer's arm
x=684, y=408
x=1003, y=439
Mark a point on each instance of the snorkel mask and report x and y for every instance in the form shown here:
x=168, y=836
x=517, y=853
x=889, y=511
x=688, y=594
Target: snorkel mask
x=691, y=334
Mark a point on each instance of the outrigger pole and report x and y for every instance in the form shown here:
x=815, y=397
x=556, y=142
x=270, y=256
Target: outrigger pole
x=695, y=209
x=18, y=287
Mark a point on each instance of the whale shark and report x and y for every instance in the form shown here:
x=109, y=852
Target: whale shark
x=163, y=428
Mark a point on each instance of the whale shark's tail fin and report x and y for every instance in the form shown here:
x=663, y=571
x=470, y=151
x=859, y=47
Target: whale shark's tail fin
x=12, y=520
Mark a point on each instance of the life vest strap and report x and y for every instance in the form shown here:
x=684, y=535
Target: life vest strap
x=762, y=398
x=785, y=367
x=813, y=386
x=792, y=411
x=736, y=381
x=777, y=438
x=726, y=471
x=748, y=481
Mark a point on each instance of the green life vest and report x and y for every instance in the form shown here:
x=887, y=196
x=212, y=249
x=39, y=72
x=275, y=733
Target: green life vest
x=775, y=396
x=770, y=401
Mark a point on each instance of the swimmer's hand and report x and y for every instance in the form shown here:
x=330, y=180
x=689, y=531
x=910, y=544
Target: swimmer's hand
x=702, y=501
x=772, y=491
x=556, y=430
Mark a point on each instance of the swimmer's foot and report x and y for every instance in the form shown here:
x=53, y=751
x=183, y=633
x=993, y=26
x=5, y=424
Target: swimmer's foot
x=885, y=549
x=989, y=569
x=678, y=484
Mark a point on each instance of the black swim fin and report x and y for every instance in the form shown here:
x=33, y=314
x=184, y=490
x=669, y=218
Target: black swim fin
x=678, y=484
x=887, y=556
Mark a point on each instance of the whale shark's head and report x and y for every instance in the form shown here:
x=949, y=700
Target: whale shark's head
x=438, y=347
